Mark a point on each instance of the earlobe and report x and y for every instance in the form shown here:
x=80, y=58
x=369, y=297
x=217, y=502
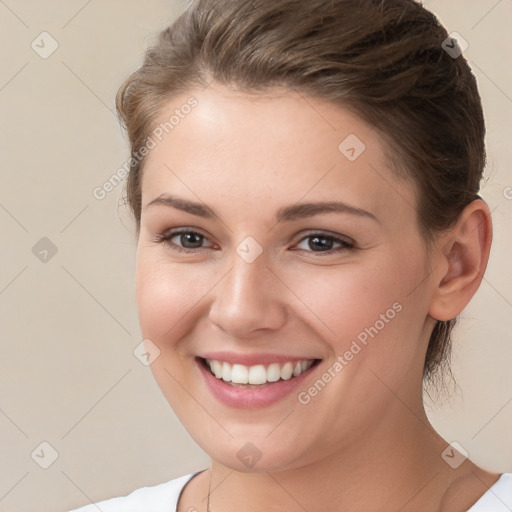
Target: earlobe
x=462, y=260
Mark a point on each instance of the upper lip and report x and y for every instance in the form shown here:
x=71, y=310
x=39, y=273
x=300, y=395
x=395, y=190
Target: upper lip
x=254, y=359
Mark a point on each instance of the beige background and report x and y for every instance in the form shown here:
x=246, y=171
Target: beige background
x=69, y=325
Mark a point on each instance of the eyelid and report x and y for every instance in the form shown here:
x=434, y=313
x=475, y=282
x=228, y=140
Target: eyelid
x=165, y=238
x=345, y=242
x=328, y=234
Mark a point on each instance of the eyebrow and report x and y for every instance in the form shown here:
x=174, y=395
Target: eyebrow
x=287, y=213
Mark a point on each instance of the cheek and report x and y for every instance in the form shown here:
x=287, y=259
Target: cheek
x=363, y=302
x=347, y=299
x=377, y=324
x=166, y=297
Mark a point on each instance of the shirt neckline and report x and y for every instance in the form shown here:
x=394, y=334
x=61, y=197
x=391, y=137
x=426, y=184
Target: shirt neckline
x=490, y=490
x=476, y=504
x=183, y=487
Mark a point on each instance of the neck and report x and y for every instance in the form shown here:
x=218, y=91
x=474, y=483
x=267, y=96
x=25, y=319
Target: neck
x=395, y=466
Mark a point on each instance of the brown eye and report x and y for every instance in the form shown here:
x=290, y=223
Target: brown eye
x=322, y=243
x=183, y=240
x=189, y=239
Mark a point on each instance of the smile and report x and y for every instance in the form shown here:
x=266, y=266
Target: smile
x=257, y=375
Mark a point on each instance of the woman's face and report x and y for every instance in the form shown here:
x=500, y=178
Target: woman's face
x=300, y=251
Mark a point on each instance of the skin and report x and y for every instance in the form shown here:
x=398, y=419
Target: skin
x=246, y=156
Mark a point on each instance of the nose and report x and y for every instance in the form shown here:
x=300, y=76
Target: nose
x=248, y=300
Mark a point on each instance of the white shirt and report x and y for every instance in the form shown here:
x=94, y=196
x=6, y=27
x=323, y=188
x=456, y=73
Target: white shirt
x=164, y=498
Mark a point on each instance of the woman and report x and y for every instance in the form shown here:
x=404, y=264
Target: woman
x=304, y=181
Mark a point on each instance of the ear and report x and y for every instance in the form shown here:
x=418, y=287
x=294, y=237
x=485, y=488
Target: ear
x=462, y=260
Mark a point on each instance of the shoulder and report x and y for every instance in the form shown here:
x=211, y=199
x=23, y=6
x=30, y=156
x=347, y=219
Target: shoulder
x=157, y=498
x=498, y=498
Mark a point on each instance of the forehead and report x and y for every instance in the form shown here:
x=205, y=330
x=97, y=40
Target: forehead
x=232, y=143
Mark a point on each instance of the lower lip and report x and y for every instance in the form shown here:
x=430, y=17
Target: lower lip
x=251, y=398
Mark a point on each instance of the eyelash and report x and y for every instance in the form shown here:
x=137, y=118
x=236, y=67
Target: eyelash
x=165, y=238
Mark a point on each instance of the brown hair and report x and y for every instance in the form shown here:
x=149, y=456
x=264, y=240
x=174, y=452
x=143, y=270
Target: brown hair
x=384, y=59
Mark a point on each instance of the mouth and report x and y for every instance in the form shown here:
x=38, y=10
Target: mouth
x=259, y=375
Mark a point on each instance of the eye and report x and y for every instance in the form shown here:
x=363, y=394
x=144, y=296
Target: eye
x=187, y=240
x=182, y=240
x=324, y=243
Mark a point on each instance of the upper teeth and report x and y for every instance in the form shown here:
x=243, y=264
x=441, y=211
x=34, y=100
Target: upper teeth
x=258, y=374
